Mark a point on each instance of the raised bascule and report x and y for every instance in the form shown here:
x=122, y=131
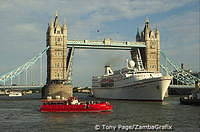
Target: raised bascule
x=60, y=52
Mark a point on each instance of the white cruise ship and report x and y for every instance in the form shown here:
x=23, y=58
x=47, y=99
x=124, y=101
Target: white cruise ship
x=131, y=83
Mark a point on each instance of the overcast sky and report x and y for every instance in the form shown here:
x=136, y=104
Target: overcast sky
x=23, y=25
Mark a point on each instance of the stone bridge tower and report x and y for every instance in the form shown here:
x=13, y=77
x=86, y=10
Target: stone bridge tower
x=57, y=63
x=151, y=54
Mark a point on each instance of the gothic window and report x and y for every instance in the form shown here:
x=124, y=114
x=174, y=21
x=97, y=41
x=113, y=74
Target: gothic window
x=153, y=66
x=55, y=74
x=58, y=75
x=58, y=32
x=57, y=64
x=58, y=41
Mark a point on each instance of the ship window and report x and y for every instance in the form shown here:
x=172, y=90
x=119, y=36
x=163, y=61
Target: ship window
x=107, y=83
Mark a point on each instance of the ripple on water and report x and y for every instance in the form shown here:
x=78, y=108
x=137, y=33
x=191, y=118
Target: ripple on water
x=23, y=115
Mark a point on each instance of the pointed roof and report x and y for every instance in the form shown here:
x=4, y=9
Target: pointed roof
x=56, y=21
x=147, y=25
x=146, y=20
x=138, y=32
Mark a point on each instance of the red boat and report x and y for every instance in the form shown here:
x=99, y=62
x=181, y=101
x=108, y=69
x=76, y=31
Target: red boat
x=72, y=104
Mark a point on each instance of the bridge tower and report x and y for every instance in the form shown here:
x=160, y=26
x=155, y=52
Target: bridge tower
x=150, y=54
x=57, y=65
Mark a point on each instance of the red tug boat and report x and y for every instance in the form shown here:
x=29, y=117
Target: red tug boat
x=72, y=104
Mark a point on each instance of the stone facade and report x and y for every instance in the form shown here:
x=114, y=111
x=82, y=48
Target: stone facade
x=57, y=68
x=151, y=54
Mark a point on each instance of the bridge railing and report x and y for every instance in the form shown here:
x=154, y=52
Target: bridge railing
x=105, y=42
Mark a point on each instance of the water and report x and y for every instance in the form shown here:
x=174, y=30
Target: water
x=22, y=115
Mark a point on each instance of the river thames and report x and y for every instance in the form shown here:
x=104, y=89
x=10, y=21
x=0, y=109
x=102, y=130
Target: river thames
x=22, y=115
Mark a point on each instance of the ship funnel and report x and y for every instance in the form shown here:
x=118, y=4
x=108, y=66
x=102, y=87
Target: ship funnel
x=108, y=70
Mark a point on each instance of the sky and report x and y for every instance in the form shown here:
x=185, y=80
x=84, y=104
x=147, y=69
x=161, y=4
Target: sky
x=23, y=25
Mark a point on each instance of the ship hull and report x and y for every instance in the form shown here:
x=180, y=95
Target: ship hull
x=76, y=108
x=153, y=89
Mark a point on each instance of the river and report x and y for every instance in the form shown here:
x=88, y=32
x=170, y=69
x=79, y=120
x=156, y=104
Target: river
x=22, y=115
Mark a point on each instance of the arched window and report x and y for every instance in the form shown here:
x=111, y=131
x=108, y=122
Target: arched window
x=58, y=75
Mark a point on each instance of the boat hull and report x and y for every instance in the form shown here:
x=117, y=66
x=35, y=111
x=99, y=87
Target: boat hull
x=190, y=101
x=153, y=89
x=77, y=108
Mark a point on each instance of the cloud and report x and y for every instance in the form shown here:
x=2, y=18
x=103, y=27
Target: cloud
x=27, y=27
x=184, y=26
x=112, y=10
x=180, y=38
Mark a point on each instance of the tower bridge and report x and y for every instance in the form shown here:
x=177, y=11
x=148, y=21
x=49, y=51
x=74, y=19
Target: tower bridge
x=60, y=53
x=60, y=50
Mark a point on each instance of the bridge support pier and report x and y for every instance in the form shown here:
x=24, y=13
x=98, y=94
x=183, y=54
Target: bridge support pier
x=53, y=90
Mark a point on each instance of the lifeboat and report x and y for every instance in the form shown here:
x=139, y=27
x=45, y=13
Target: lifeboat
x=72, y=104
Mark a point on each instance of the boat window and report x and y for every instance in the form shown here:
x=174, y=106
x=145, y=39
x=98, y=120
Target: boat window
x=107, y=84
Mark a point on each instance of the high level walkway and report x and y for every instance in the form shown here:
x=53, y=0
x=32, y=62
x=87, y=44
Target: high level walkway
x=104, y=44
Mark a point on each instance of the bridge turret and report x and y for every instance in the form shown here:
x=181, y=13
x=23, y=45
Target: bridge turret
x=51, y=29
x=57, y=69
x=152, y=34
x=138, y=37
x=147, y=29
x=56, y=21
x=157, y=33
x=64, y=29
